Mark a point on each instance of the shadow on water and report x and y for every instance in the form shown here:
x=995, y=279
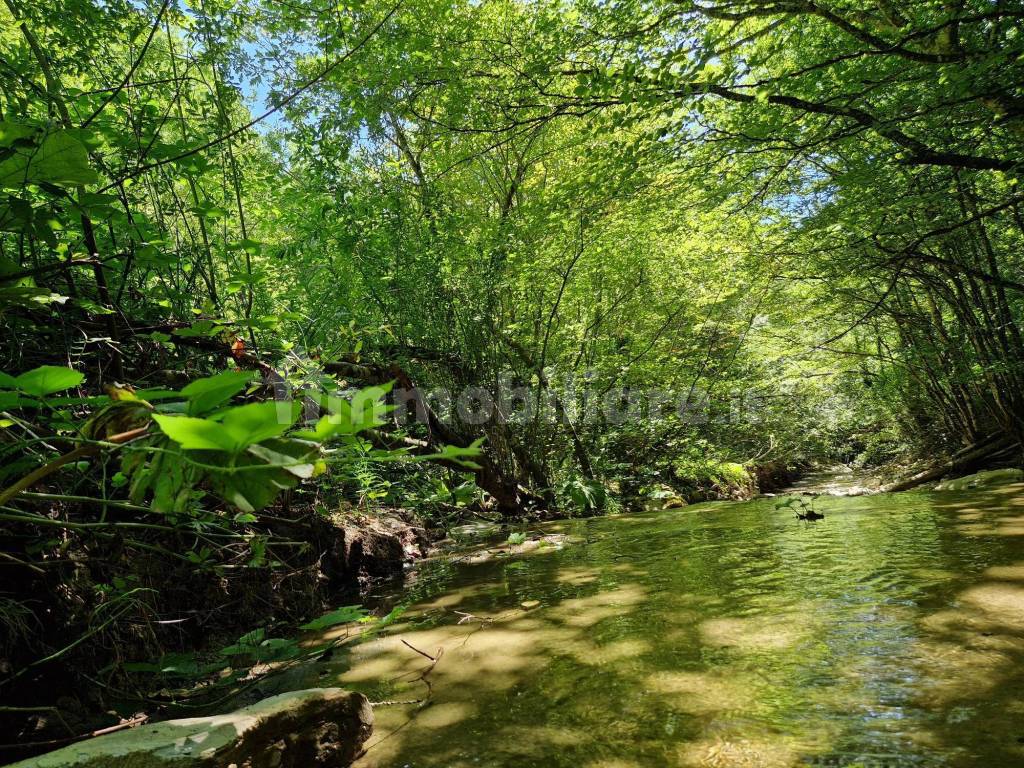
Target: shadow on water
x=889, y=634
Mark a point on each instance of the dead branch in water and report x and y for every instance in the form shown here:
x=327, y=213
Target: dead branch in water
x=421, y=678
x=466, y=617
x=423, y=653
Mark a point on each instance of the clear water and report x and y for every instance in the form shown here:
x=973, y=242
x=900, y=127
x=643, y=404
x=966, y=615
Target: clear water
x=729, y=634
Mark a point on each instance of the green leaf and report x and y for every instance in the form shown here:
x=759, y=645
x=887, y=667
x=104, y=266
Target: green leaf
x=42, y=155
x=233, y=430
x=277, y=648
x=344, y=615
x=28, y=296
x=460, y=456
x=196, y=434
x=364, y=411
x=206, y=394
x=11, y=400
x=47, y=379
x=276, y=455
x=257, y=422
x=251, y=246
x=198, y=328
x=209, y=211
x=246, y=644
x=156, y=394
x=250, y=491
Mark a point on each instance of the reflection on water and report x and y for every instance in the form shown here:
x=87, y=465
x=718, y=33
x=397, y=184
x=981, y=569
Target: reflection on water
x=889, y=634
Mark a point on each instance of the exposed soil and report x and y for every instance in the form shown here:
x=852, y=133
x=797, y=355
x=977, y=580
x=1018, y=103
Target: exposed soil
x=337, y=560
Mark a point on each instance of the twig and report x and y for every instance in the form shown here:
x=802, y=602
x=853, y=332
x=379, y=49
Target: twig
x=422, y=677
x=280, y=105
x=395, y=703
x=472, y=617
x=130, y=723
x=423, y=653
x=48, y=469
x=137, y=720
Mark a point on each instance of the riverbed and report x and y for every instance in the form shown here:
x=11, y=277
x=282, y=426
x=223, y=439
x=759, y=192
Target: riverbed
x=891, y=633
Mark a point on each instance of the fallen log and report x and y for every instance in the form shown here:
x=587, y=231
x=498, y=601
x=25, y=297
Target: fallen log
x=960, y=463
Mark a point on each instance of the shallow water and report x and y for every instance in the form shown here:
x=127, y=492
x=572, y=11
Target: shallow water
x=727, y=634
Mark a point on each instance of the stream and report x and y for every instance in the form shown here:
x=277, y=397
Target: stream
x=891, y=633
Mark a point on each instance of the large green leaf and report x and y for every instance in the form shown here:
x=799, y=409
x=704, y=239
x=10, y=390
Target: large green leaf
x=206, y=394
x=42, y=155
x=9, y=400
x=233, y=430
x=251, y=491
x=196, y=434
x=274, y=465
x=293, y=456
x=170, y=478
x=257, y=422
x=47, y=379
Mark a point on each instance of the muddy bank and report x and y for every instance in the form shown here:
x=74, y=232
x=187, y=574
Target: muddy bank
x=180, y=612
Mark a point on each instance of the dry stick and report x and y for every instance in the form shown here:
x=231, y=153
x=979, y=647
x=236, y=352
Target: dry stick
x=422, y=653
x=423, y=675
x=130, y=723
x=22, y=564
x=395, y=702
x=138, y=720
x=467, y=617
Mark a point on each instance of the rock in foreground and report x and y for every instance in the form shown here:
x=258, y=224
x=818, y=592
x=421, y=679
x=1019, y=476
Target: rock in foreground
x=303, y=729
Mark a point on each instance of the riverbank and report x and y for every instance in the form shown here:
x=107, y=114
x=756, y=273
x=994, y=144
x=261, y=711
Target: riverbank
x=188, y=651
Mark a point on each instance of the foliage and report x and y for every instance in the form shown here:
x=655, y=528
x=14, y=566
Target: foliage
x=798, y=224
x=224, y=669
x=585, y=496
